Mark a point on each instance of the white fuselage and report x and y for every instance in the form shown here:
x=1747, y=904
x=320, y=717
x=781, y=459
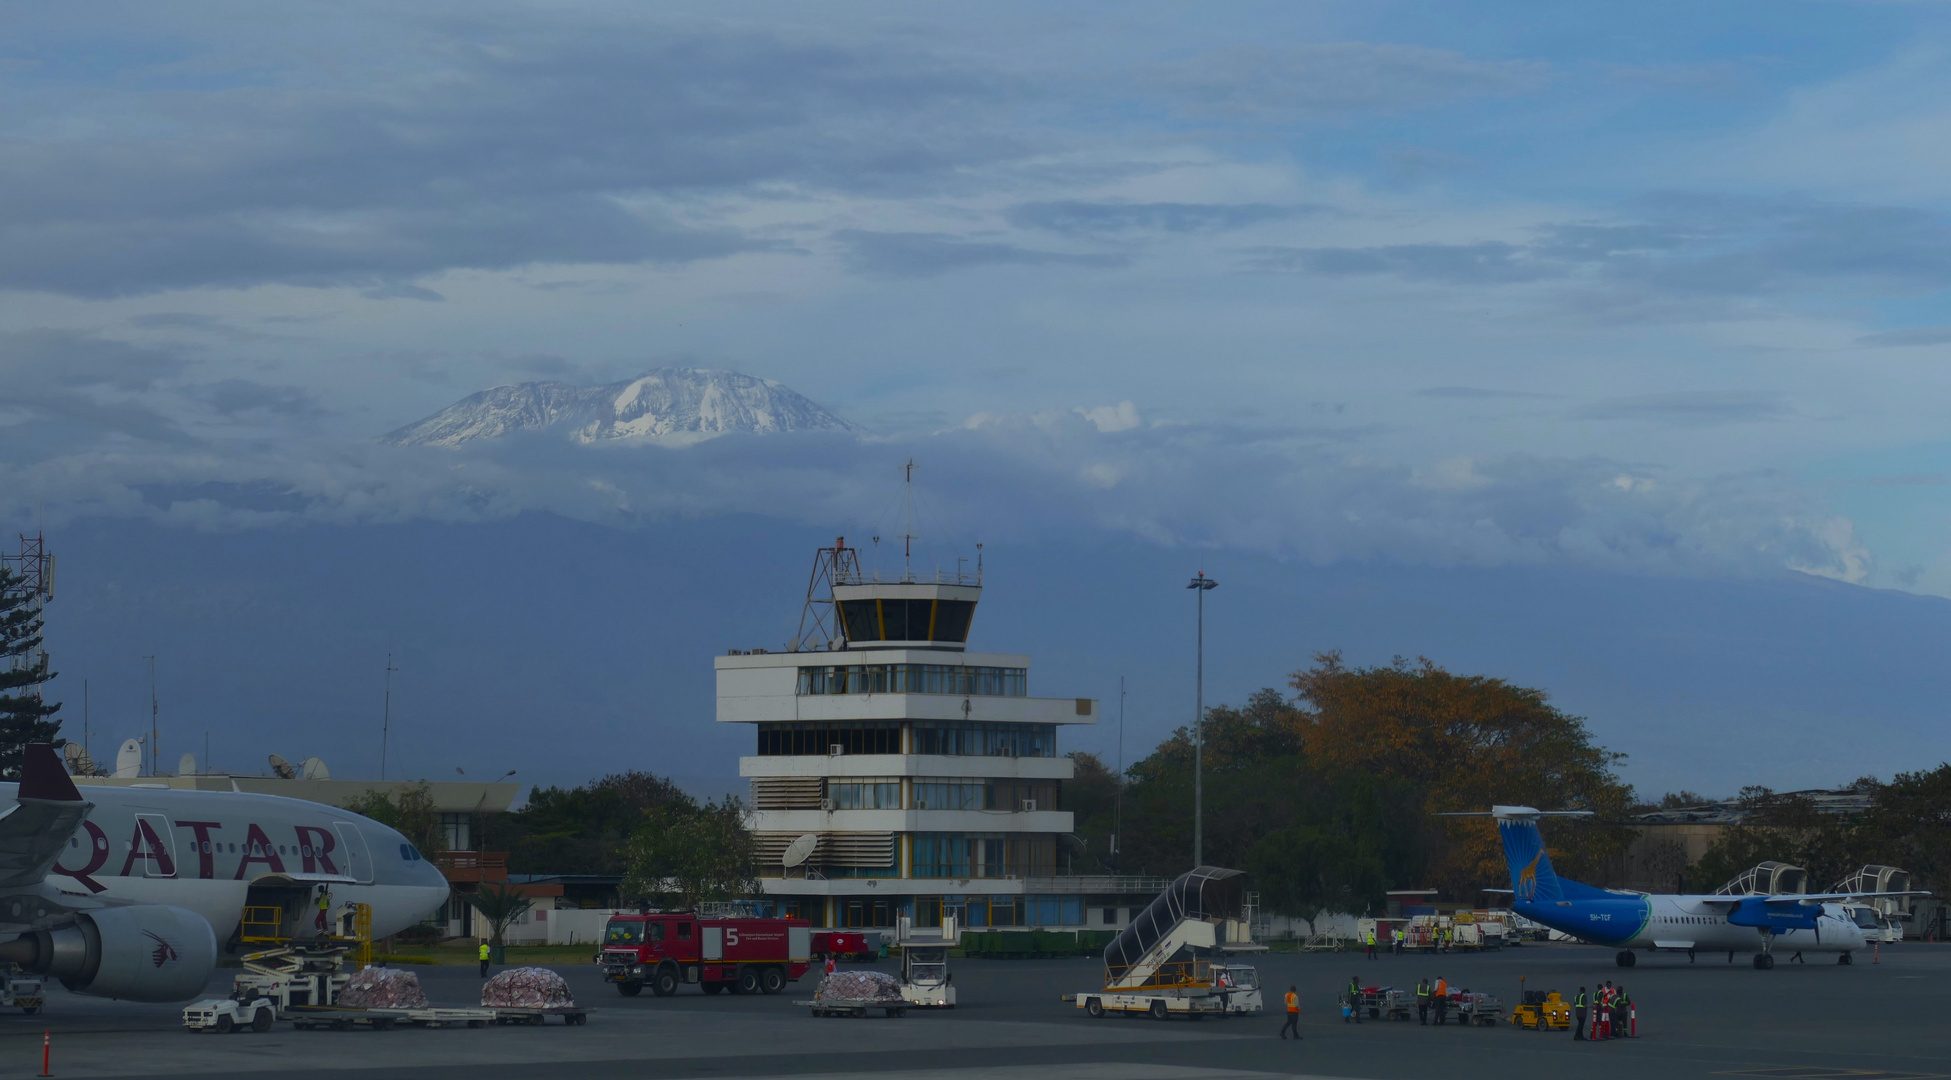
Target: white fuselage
x=1700, y=923
x=204, y=850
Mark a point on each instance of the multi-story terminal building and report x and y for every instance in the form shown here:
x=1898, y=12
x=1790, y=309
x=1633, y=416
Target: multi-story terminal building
x=897, y=772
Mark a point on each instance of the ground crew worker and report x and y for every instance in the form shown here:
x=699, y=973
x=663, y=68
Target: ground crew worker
x=1578, y=1016
x=1398, y=940
x=1293, y=1023
x=1422, y=1001
x=1604, y=1019
x=1355, y=996
x=1441, y=1000
x=1369, y=944
x=829, y=964
x=484, y=958
x=1623, y=1009
x=324, y=905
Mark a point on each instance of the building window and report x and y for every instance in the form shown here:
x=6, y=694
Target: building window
x=1009, y=796
x=458, y=831
x=984, y=855
x=876, y=793
x=819, y=739
x=883, y=619
x=958, y=679
x=1110, y=916
x=979, y=739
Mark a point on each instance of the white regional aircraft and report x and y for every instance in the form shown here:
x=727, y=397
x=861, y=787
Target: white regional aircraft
x=127, y=893
x=1763, y=925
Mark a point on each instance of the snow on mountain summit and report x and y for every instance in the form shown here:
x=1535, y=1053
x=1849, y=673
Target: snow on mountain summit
x=669, y=405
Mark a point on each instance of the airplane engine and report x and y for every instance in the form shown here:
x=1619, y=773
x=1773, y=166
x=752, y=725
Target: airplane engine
x=146, y=952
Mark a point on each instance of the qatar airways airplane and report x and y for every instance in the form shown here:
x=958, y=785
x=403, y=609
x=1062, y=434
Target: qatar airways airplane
x=127, y=893
x=1760, y=924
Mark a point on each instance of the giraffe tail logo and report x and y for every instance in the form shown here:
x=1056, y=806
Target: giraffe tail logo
x=164, y=951
x=1527, y=878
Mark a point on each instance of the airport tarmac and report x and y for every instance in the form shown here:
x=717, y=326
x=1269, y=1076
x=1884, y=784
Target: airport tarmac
x=1867, y=1021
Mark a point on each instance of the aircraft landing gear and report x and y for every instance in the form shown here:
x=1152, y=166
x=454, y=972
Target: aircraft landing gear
x=1625, y=958
x=1845, y=959
x=1764, y=962
x=1765, y=959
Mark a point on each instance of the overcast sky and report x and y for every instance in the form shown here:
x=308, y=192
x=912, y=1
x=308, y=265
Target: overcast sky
x=1657, y=287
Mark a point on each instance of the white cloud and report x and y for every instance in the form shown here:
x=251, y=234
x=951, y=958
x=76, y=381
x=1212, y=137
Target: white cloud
x=1120, y=417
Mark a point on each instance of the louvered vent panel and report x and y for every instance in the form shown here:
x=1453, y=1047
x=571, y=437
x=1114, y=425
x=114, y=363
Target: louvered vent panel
x=835, y=849
x=786, y=793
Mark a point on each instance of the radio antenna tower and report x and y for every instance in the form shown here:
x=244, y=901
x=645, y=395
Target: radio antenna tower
x=154, y=710
x=819, y=620
x=908, y=521
x=386, y=714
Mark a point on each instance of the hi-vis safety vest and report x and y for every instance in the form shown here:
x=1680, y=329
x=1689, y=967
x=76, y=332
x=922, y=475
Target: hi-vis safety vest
x=1422, y=991
x=1442, y=988
x=1580, y=1003
x=1293, y=1002
x=484, y=950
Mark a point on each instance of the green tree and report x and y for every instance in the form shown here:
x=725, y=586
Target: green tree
x=500, y=906
x=1311, y=838
x=1909, y=825
x=580, y=830
x=24, y=716
x=1091, y=796
x=410, y=811
x=683, y=855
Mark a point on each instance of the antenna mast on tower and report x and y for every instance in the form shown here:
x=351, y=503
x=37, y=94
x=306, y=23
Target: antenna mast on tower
x=819, y=620
x=908, y=521
x=386, y=715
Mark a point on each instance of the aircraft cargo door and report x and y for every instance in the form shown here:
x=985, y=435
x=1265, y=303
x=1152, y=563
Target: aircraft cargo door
x=359, y=864
x=154, y=846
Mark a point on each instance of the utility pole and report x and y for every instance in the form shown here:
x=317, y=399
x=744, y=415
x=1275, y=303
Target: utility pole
x=154, y=710
x=386, y=716
x=908, y=521
x=1202, y=585
x=1118, y=815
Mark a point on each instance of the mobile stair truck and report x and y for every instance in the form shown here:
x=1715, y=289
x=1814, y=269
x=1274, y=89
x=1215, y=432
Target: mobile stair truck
x=924, y=962
x=1169, y=960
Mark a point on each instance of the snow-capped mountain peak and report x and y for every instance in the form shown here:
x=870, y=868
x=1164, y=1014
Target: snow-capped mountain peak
x=668, y=405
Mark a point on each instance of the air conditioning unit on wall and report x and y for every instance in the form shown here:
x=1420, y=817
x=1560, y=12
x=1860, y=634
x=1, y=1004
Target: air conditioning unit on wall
x=1027, y=806
x=835, y=750
x=826, y=804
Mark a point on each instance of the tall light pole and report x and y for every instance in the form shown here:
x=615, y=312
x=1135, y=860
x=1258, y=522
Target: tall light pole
x=1201, y=584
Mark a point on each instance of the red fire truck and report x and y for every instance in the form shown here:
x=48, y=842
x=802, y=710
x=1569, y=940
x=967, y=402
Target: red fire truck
x=746, y=956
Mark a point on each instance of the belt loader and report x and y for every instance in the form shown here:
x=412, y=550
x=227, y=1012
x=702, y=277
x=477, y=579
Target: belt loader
x=1168, y=961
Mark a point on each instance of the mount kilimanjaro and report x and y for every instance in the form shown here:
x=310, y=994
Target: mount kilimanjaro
x=679, y=405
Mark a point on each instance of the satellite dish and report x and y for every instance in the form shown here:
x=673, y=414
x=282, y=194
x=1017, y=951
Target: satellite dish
x=128, y=760
x=800, y=850
x=313, y=769
x=79, y=763
x=186, y=766
x=283, y=768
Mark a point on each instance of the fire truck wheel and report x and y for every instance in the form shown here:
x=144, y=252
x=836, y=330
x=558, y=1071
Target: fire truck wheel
x=712, y=987
x=748, y=981
x=664, y=983
x=1158, y=1010
x=629, y=989
x=1094, y=1008
x=772, y=981
x=261, y=1021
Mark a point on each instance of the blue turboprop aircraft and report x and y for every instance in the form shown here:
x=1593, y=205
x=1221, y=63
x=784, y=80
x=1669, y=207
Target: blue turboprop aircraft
x=1761, y=924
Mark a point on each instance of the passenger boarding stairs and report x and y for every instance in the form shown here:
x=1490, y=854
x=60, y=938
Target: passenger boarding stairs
x=1172, y=942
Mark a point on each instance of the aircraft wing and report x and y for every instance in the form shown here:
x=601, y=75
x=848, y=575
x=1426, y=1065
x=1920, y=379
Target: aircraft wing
x=1805, y=899
x=35, y=829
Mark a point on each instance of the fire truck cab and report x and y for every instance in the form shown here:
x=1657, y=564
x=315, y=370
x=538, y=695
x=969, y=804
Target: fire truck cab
x=666, y=950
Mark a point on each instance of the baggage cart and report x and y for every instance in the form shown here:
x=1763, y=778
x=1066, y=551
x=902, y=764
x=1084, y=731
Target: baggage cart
x=895, y=1008
x=573, y=1017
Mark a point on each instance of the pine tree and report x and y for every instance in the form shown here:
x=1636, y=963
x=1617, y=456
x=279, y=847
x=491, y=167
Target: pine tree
x=24, y=717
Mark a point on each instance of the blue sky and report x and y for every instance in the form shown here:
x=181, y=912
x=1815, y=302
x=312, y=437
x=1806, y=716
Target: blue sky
x=1654, y=289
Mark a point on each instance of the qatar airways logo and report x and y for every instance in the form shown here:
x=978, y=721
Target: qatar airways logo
x=164, y=951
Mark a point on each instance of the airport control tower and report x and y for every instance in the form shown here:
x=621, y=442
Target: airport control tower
x=895, y=772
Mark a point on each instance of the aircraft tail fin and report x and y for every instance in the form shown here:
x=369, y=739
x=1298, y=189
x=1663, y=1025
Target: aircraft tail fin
x=1532, y=878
